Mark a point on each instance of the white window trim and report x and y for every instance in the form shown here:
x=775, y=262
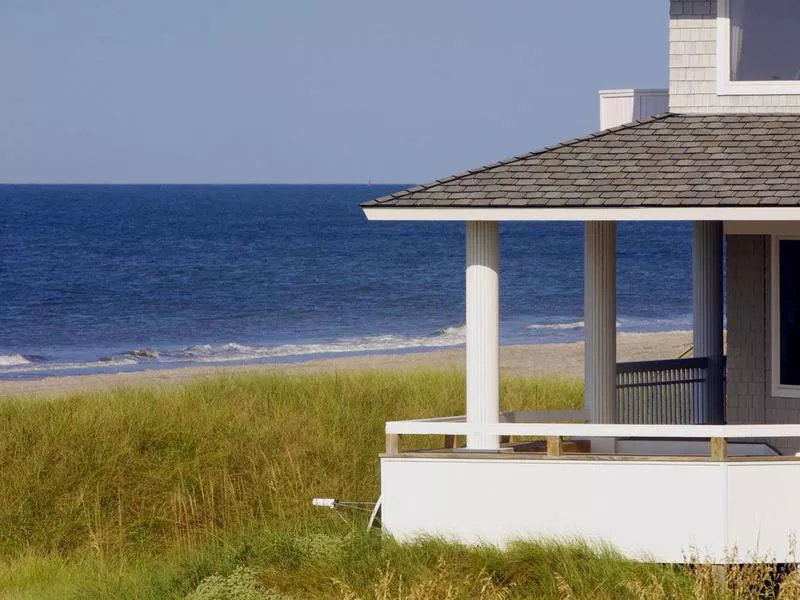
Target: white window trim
x=778, y=390
x=726, y=87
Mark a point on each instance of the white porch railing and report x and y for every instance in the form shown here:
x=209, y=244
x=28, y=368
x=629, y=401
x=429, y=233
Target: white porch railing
x=675, y=392
x=542, y=425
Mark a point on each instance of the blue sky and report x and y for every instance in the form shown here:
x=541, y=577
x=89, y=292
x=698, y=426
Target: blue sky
x=252, y=91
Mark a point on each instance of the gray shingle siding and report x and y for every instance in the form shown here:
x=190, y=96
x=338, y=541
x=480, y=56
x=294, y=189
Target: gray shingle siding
x=669, y=160
x=747, y=335
x=693, y=66
x=749, y=398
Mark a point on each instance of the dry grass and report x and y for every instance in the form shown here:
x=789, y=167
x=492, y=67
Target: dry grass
x=144, y=494
x=140, y=468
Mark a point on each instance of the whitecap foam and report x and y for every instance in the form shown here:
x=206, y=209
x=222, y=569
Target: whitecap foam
x=232, y=351
x=659, y=332
x=239, y=352
x=456, y=331
x=97, y=365
x=13, y=360
x=556, y=326
x=655, y=324
x=143, y=353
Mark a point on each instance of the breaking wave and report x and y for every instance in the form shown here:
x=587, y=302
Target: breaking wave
x=553, y=330
x=13, y=360
x=556, y=326
x=630, y=324
x=450, y=336
x=141, y=358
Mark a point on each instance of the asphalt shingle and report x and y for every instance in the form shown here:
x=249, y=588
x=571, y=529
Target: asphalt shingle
x=670, y=159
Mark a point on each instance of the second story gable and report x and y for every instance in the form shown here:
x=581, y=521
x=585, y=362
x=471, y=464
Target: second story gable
x=734, y=56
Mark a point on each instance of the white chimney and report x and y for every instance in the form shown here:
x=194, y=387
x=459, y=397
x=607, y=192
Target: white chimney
x=618, y=107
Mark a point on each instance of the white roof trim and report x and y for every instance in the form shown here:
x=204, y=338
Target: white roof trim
x=673, y=213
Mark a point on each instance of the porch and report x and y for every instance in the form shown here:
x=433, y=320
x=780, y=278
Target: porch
x=664, y=493
x=681, y=391
x=650, y=441
x=649, y=466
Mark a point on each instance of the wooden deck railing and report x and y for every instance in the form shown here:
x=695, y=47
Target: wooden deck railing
x=554, y=434
x=670, y=392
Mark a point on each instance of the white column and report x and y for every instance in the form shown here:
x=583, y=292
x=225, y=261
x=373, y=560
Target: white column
x=707, y=309
x=600, y=318
x=483, y=330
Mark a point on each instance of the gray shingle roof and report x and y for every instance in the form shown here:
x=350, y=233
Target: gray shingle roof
x=668, y=160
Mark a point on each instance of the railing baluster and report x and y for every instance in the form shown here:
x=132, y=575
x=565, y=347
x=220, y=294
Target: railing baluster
x=662, y=392
x=638, y=395
x=644, y=405
x=623, y=404
x=631, y=407
x=687, y=395
x=668, y=377
x=668, y=398
x=653, y=379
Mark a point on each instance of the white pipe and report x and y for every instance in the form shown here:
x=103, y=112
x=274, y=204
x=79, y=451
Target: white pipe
x=600, y=319
x=483, y=331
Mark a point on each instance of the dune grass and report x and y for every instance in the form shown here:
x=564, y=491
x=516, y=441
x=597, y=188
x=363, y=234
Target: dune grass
x=137, y=468
x=141, y=493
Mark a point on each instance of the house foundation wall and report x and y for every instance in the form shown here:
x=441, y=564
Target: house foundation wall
x=715, y=508
x=693, y=66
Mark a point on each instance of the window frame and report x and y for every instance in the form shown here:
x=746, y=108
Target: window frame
x=726, y=87
x=779, y=390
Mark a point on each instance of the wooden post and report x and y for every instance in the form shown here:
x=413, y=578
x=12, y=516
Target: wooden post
x=719, y=449
x=449, y=441
x=554, y=446
x=392, y=443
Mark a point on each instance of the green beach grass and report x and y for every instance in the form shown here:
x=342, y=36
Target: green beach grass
x=204, y=492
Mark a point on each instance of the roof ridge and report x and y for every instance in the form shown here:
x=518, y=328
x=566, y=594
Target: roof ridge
x=520, y=157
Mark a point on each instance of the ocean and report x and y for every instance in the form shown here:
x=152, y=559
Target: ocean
x=114, y=278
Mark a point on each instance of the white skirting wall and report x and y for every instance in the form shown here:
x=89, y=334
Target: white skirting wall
x=600, y=318
x=657, y=510
x=708, y=317
x=483, y=330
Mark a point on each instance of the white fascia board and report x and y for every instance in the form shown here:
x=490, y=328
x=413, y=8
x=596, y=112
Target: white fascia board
x=676, y=213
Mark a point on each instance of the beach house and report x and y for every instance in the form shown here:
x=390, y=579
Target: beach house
x=692, y=457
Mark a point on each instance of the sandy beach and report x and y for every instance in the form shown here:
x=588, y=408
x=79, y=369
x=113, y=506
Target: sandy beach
x=544, y=359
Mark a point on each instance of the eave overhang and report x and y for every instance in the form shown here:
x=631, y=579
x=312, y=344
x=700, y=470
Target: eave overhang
x=729, y=167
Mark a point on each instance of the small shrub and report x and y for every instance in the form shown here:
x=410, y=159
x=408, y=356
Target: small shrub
x=239, y=585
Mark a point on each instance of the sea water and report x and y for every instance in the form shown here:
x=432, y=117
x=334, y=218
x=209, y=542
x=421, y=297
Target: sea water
x=112, y=278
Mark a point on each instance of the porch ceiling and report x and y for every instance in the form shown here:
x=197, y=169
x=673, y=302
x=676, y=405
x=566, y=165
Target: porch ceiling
x=668, y=161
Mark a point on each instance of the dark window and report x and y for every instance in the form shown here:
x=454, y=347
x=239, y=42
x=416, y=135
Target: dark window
x=765, y=41
x=789, y=279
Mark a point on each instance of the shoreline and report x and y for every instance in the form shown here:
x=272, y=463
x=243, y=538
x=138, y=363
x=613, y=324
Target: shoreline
x=558, y=360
